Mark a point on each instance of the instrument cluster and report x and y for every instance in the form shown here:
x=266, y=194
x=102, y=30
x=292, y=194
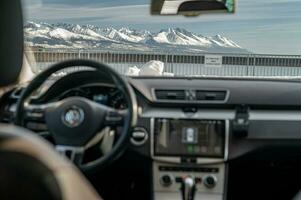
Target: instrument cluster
x=106, y=95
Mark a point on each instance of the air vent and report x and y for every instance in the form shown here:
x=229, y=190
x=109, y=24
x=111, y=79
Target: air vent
x=170, y=94
x=202, y=95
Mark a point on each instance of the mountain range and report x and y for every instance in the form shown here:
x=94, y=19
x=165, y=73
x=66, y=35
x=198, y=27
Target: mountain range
x=74, y=36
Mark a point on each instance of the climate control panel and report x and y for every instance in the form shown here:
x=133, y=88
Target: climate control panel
x=208, y=179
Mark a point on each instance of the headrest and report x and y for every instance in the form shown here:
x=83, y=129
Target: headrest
x=11, y=41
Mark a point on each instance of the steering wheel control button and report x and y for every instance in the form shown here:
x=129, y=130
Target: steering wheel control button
x=73, y=116
x=35, y=114
x=166, y=180
x=113, y=117
x=34, y=126
x=139, y=137
x=210, y=181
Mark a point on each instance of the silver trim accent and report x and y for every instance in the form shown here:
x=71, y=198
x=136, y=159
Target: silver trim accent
x=62, y=149
x=275, y=115
x=174, y=159
x=177, y=196
x=223, y=114
x=179, y=114
x=227, y=139
x=97, y=138
x=142, y=142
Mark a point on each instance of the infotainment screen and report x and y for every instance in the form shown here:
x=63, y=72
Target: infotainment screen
x=189, y=137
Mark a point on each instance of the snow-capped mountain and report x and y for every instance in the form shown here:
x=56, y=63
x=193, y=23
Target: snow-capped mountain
x=64, y=35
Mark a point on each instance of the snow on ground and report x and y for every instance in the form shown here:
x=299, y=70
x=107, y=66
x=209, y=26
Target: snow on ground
x=151, y=68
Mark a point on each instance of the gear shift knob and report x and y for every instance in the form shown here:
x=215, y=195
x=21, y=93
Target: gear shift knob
x=188, y=188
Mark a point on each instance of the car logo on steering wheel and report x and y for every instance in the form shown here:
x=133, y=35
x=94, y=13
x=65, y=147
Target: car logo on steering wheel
x=73, y=116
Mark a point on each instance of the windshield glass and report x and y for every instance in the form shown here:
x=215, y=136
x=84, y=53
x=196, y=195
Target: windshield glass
x=262, y=39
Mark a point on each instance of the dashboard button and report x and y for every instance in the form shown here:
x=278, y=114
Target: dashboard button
x=139, y=136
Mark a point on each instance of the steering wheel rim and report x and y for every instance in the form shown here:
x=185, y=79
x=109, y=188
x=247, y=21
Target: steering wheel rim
x=121, y=84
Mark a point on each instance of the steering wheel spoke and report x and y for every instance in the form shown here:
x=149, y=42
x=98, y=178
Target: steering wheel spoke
x=107, y=141
x=115, y=117
x=74, y=153
x=34, y=118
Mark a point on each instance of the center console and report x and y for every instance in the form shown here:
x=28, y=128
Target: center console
x=189, y=157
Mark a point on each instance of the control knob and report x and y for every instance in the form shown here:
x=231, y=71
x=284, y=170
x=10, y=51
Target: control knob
x=166, y=180
x=210, y=181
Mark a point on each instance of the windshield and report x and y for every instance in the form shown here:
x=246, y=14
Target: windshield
x=262, y=39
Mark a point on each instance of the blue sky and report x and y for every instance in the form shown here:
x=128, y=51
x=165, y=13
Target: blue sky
x=261, y=26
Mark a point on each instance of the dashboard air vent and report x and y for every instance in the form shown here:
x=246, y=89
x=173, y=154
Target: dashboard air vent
x=202, y=95
x=170, y=94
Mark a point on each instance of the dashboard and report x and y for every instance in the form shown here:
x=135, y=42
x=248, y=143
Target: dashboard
x=195, y=126
x=200, y=127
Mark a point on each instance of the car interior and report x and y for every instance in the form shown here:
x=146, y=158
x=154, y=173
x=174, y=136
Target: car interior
x=96, y=134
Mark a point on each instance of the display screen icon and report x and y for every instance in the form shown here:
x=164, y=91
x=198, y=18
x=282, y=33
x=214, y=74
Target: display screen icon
x=189, y=135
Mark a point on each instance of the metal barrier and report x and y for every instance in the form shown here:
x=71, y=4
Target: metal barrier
x=178, y=64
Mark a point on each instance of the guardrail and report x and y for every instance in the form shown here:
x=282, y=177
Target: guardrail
x=179, y=64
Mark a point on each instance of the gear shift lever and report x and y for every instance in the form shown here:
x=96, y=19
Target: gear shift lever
x=188, y=188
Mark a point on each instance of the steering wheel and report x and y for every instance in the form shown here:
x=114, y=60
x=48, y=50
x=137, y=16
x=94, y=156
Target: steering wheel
x=77, y=123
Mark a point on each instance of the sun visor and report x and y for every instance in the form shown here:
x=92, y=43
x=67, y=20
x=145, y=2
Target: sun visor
x=11, y=41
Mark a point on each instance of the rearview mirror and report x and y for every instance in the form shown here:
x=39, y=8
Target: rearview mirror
x=191, y=7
